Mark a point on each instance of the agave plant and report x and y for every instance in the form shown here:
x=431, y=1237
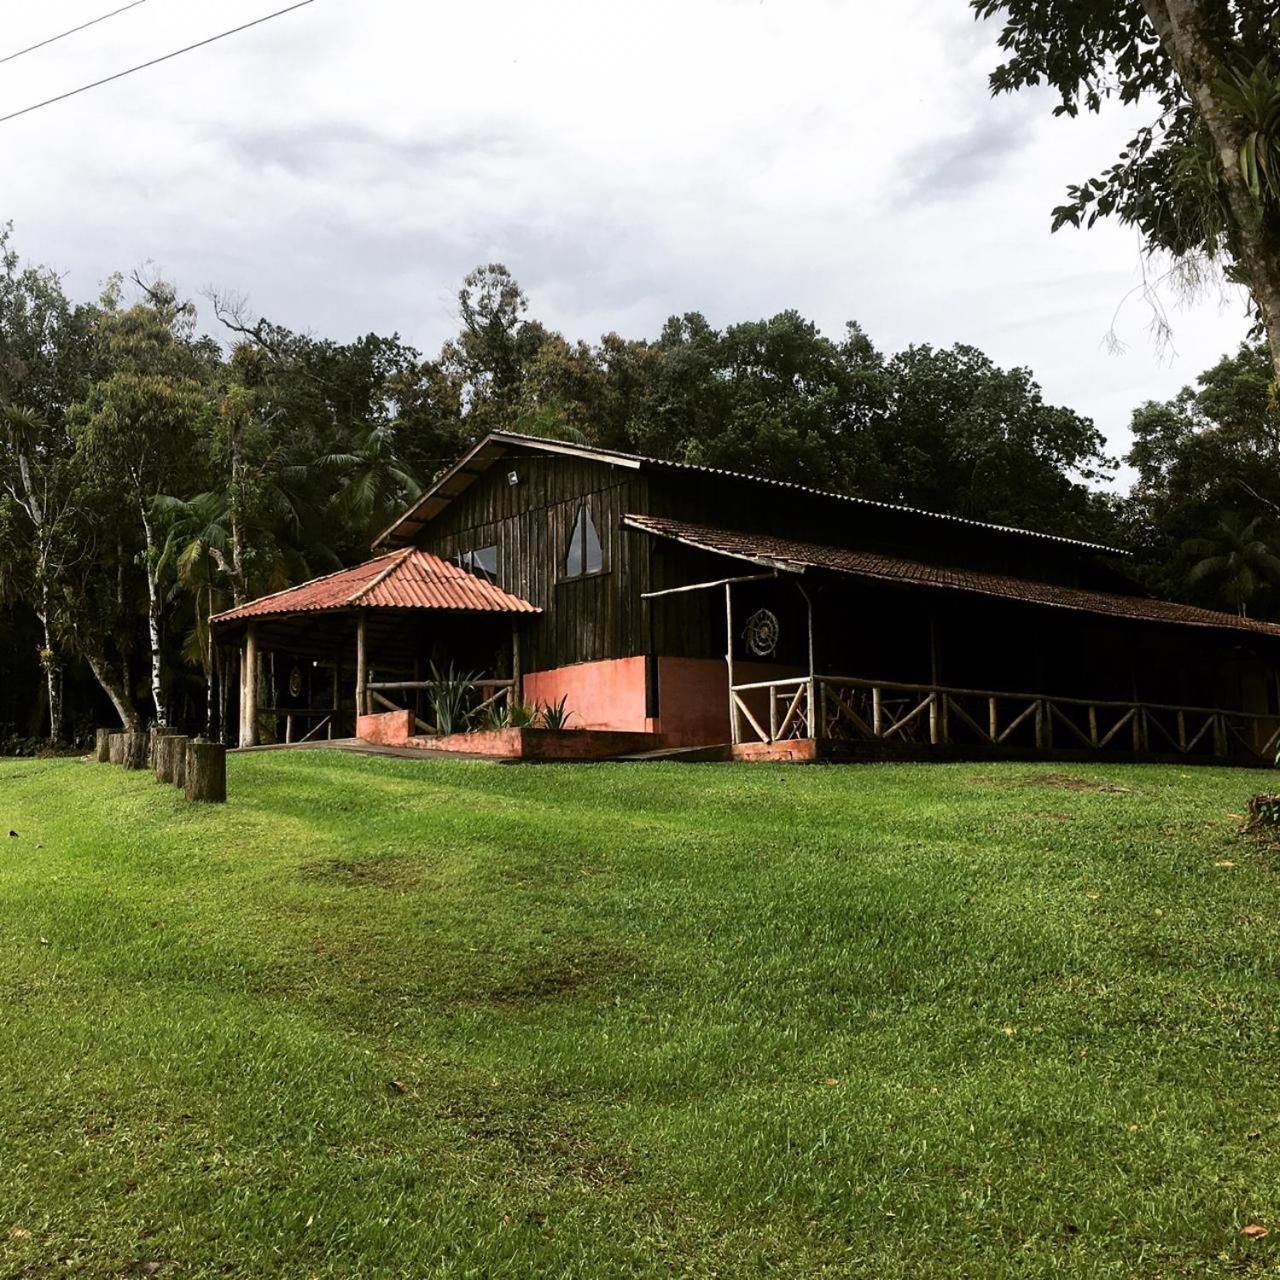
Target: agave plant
x=448, y=692
x=555, y=715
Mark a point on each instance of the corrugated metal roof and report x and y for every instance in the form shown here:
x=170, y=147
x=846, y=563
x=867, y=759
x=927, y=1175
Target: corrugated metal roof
x=787, y=554
x=496, y=444
x=406, y=579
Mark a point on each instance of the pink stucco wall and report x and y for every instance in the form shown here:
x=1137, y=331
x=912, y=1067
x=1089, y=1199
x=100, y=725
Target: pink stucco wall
x=693, y=696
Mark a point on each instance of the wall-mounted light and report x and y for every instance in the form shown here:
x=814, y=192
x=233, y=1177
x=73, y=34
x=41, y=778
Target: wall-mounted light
x=513, y=477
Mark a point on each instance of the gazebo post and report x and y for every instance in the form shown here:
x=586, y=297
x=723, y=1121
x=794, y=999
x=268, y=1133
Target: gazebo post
x=362, y=670
x=249, y=688
x=337, y=693
x=517, y=674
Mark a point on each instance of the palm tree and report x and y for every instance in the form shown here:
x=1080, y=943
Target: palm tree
x=198, y=553
x=377, y=483
x=1237, y=558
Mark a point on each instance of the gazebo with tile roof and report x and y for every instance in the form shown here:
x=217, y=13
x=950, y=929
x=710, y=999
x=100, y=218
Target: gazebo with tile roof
x=386, y=613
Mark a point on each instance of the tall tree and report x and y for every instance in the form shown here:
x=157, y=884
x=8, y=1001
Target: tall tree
x=138, y=423
x=1201, y=180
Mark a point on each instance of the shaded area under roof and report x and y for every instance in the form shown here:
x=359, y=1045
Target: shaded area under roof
x=405, y=579
x=499, y=444
x=797, y=557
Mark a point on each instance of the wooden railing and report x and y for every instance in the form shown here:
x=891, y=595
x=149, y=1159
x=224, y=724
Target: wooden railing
x=493, y=695
x=849, y=709
x=296, y=718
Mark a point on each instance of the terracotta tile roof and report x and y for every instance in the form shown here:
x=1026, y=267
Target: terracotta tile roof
x=406, y=579
x=785, y=553
x=498, y=445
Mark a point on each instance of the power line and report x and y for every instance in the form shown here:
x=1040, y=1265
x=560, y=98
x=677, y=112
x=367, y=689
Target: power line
x=154, y=62
x=84, y=26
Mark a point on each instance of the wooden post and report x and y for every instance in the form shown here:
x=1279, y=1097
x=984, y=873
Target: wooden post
x=362, y=670
x=249, y=688
x=938, y=729
x=172, y=754
x=1137, y=729
x=877, y=711
x=337, y=694
x=115, y=748
x=178, y=762
x=773, y=713
x=1039, y=719
x=734, y=732
x=102, y=746
x=1093, y=725
x=206, y=773
x=1182, y=730
x=135, y=751
x=993, y=719
x=933, y=718
x=517, y=667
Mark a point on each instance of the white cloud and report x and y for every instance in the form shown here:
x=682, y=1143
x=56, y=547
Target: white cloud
x=344, y=166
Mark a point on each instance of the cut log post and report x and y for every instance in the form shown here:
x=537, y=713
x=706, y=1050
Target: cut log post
x=135, y=750
x=158, y=736
x=115, y=748
x=171, y=752
x=177, y=762
x=102, y=746
x=206, y=772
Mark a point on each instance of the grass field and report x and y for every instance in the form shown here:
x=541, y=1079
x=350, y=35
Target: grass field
x=400, y=1018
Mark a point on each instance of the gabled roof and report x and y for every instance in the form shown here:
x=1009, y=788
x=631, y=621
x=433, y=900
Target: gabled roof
x=797, y=557
x=501, y=444
x=405, y=579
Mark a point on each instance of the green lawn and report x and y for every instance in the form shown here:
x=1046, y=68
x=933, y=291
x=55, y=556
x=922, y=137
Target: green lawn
x=414, y=1019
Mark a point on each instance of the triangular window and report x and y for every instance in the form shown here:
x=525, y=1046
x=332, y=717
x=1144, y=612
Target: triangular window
x=585, y=553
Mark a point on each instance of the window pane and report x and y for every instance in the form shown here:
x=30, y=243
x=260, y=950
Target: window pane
x=594, y=560
x=485, y=562
x=573, y=561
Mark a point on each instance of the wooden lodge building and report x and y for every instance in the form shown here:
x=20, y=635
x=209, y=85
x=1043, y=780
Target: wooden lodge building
x=701, y=607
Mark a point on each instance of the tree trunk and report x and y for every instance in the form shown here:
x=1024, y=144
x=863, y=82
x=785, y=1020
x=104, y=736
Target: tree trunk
x=114, y=688
x=153, y=617
x=1180, y=24
x=52, y=671
x=206, y=772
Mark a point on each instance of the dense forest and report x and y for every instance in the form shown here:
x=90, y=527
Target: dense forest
x=163, y=457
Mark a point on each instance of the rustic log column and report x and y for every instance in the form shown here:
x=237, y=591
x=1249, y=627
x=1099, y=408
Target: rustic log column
x=135, y=751
x=115, y=748
x=336, y=718
x=178, y=762
x=102, y=746
x=362, y=670
x=249, y=688
x=517, y=667
x=728, y=662
x=206, y=772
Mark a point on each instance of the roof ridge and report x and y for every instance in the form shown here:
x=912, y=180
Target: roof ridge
x=397, y=559
x=567, y=446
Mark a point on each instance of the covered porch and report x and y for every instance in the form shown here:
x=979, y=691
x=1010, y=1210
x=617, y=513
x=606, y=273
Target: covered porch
x=873, y=656
x=312, y=660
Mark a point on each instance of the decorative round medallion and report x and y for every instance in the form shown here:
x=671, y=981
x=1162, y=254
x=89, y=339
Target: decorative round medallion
x=762, y=633
x=295, y=683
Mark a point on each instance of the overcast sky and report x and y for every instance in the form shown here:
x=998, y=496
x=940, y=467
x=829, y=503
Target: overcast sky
x=344, y=166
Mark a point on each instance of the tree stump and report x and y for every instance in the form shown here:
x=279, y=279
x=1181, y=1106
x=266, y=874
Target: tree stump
x=162, y=754
x=175, y=759
x=115, y=747
x=135, y=750
x=206, y=772
x=102, y=746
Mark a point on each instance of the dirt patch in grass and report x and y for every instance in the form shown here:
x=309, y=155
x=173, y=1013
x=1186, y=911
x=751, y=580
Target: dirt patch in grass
x=1074, y=782
x=555, y=980
x=389, y=872
x=549, y=1146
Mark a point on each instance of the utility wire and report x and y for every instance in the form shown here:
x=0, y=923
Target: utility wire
x=154, y=62
x=84, y=26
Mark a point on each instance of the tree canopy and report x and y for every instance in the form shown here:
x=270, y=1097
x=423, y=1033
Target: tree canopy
x=1200, y=179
